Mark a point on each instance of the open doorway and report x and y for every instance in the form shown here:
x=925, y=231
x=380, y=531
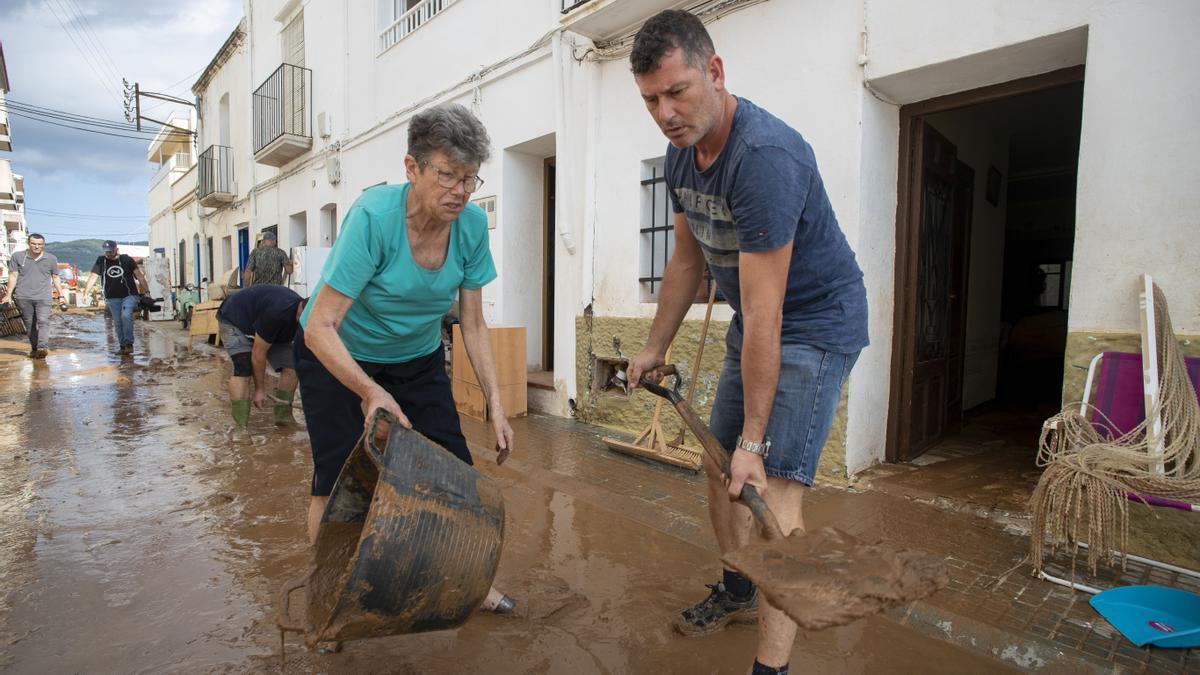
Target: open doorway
x=985, y=237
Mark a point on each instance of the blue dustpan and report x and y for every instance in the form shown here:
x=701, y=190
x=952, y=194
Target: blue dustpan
x=1152, y=615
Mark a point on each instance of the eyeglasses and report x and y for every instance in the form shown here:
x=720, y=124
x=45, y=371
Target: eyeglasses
x=448, y=180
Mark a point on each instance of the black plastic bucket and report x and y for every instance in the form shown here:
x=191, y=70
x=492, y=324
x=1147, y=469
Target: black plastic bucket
x=409, y=542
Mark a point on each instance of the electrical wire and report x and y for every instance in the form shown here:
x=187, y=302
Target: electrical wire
x=65, y=214
x=95, y=69
x=68, y=117
x=171, y=135
x=83, y=20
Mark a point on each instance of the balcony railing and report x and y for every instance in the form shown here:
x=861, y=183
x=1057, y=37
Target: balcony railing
x=179, y=162
x=568, y=5
x=215, y=176
x=410, y=20
x=282, y=115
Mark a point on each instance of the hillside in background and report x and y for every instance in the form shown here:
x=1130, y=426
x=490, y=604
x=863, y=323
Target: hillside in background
x=82, y=252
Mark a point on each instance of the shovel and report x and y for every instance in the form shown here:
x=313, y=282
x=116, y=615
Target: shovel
x=819, y=580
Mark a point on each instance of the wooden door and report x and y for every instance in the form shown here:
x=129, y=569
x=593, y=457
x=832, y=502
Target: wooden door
x=956, y=308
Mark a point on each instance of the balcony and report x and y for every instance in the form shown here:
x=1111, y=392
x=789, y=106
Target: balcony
x=5, y=134
x=409, y=21
x=282, y=116
x=173, y=166
x=605, y=19
x=19, y=188
x=216, y=176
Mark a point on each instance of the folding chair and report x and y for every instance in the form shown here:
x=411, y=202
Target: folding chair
x=1125, y=383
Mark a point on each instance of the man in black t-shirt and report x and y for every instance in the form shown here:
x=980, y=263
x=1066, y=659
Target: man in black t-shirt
x=257, y=325
x=122, y=279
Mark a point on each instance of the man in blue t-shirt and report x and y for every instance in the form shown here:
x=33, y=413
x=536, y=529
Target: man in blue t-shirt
x=257, y=325
x=750, y=204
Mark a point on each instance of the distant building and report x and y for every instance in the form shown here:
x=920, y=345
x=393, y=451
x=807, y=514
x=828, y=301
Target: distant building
x=12, y=185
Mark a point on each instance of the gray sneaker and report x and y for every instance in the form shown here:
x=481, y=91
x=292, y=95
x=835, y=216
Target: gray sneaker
x=716, y=611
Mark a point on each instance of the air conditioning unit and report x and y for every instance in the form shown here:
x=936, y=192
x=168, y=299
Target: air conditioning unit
x=488, y=204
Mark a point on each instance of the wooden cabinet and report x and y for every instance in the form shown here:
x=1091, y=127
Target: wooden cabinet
x=508, y=354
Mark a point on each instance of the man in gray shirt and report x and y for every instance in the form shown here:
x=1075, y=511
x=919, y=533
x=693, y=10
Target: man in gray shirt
x=267, y=263
x=31, y=274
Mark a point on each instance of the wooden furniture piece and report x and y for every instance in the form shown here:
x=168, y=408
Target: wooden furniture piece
x=204, y=322
x=508, y=354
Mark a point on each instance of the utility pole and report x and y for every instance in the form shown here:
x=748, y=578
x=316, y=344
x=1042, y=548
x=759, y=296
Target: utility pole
x=133, y=107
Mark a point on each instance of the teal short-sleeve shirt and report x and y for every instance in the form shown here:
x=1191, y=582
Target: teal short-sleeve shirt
x=398, y=305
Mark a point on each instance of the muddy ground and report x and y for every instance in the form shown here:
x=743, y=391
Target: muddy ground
x=140, y=536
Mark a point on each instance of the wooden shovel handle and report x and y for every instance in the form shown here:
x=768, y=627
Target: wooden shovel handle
x=717, y=453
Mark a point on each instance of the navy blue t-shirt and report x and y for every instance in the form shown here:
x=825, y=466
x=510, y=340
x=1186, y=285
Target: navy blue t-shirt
x=763, y=191
x=267, y=310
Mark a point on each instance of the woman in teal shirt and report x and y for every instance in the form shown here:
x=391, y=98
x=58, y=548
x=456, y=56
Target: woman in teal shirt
x=371, y=337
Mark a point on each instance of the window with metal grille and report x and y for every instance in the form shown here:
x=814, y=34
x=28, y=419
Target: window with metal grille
x=657, y=236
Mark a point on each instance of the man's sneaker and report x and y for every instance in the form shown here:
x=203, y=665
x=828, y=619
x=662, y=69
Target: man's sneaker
x=126, y=349
x=33, y=353
x=41, y=354
x=716, y=611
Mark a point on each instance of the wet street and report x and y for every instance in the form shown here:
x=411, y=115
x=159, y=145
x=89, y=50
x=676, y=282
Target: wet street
x=140, y=536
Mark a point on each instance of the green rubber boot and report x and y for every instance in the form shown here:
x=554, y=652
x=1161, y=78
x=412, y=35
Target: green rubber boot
x=241, y=415
x=283, y=407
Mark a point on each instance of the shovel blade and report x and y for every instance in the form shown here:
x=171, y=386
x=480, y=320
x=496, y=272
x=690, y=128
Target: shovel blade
x=829, y=578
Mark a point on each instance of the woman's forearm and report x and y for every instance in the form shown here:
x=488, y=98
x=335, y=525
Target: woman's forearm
x=323, y=340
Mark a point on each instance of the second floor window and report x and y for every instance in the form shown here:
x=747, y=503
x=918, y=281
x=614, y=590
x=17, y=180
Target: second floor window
x=293, y=41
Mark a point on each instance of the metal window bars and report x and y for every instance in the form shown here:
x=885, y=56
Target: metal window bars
x=215, y=171
x=409, y=20
x=282, y=105
x=569, y=6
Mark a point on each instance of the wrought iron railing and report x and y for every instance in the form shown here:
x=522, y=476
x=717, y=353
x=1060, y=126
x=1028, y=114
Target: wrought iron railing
x=569, y=5
x=409, y=20
x=216, y=171
x=282, y=105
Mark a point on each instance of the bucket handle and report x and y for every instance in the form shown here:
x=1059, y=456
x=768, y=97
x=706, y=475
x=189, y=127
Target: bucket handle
x=375, y=453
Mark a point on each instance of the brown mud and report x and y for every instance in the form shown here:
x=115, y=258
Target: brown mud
x=141, y=536
x=830, y=578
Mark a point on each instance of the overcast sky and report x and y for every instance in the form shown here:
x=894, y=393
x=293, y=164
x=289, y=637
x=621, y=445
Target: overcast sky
x=162, y=45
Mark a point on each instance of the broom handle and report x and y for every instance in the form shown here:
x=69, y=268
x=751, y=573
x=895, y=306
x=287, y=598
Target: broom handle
x=712, y=296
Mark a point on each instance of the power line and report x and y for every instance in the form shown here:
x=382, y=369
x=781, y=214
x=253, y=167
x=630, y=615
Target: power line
x=70, y=117
x=39, y=108
x=95, y=38
x=65, y=214
x=91, y=124
x=95, y=70
x=170, y=135
x=98, y=235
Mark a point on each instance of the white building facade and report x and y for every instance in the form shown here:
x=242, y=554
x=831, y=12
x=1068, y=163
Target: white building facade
x=1060, y=130
x=12, y=186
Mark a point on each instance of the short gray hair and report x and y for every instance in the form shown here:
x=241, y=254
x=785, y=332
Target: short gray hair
x=452, y=129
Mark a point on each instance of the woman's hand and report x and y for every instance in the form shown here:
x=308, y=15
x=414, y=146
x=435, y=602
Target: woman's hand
x=379, y=398
x=504, y=433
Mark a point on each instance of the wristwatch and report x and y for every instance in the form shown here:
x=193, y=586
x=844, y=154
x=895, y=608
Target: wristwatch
x=760, y=449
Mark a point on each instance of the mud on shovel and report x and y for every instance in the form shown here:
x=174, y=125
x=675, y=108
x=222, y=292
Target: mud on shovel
x=820, y=580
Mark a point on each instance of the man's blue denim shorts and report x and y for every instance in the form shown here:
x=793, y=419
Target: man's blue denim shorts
x=806, y=400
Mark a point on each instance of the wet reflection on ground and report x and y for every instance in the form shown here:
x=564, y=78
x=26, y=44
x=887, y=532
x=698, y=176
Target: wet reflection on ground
x=141, y=536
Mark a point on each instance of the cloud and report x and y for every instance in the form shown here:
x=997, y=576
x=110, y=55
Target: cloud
x=162, y=45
